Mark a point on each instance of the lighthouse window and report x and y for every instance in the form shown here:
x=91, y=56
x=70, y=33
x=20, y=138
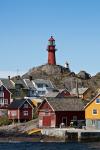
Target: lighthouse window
x=49, y=43
x=53, y=42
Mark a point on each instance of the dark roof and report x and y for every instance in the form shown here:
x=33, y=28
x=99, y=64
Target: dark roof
x=67, y=104
x=18, y=102
x=8, y=83
x=2, y=87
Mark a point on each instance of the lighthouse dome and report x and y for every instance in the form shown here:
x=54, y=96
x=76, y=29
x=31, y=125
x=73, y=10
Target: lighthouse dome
x=66, y=65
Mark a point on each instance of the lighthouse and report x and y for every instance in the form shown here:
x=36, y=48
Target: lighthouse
x=51, y=51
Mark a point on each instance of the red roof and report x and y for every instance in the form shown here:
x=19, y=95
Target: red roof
x=51, y=39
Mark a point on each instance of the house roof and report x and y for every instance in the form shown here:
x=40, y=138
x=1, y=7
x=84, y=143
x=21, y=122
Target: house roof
x=19, y=80
x=67, y=104
x=29, y=84
x=51, y=94
x=7, y=83
x=18, y=102
x=92, y=100
x=4, y=87
x=61, y=90
x=80, y=90
x=42, y=81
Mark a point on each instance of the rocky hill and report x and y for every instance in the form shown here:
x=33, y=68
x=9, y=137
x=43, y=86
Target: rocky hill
x=62, y=77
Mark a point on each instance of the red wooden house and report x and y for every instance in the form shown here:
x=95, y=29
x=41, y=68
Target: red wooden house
x=54, y=111
x=21, y=110
x=5, y=100
x=59, y=93
x=63, y=93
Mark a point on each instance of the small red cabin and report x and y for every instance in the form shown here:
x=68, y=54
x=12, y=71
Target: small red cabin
x=21, y=110
x=63, y=93
x=5, y=97
x=54, y=111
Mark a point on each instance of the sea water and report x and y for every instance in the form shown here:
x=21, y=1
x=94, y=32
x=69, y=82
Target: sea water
x=49, y=146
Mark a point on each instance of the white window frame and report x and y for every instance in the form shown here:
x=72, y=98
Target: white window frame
x=5, y=101
x=26, y=105
x=46, y=112
x=13, y=113
x=1, y=103
x=75, y=118
x=25, y=113
x=96, y=100
x=93, y=112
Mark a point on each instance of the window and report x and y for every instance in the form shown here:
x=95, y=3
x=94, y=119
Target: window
x=74, y=117
x=98, y=100
x=25, y=105
x=25, y=113
x=6, y=101
x=17, y=92
x=1, y=101
x=93, y=122
x=1, y=88
x=46, y=85
x=64, y=121
x=94, y=111
x=41, y=92
x=46, y=112
x=13, y=113
x=40, y=85
x=1, y=94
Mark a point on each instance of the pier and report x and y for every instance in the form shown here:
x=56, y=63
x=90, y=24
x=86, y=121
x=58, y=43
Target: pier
x=73, y=134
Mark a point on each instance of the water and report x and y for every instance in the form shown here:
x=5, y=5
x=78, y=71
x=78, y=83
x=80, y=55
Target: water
x=49, y=146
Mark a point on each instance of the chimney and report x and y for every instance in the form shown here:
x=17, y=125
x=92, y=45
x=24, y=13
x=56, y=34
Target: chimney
x=9, y=77
x=77, y=91
x=18, y=77
x=30, y=78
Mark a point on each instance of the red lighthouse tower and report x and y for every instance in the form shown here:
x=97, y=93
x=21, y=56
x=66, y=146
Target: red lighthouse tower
x=51, y=51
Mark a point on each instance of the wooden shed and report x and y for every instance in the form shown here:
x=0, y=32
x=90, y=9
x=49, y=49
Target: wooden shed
x=54, y=111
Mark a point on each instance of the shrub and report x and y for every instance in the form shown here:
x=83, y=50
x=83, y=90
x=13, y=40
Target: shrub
x=5, y=121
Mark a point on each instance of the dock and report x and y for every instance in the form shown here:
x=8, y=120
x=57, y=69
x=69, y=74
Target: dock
x=73, y=134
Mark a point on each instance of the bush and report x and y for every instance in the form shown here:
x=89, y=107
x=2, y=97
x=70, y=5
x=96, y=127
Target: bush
x=5, y=121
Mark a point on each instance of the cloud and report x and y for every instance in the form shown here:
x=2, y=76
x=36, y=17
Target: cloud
x=5, y=74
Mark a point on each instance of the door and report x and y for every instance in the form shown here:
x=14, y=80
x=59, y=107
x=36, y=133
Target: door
x=47, y=121
x=64, y=120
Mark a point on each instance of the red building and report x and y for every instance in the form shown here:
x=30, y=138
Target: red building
x=63, y=93
x=5, y=100
x=58, y=93
x=21, y=110
x=5, y=97
x=54, y=111
x=51, y=52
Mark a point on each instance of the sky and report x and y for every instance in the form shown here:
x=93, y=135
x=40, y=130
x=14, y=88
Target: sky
x=26, y=26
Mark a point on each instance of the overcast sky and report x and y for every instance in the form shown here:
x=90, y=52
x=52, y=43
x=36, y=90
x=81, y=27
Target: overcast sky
x=26, y=25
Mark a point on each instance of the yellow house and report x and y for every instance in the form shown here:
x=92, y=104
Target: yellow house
x=92, y=113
